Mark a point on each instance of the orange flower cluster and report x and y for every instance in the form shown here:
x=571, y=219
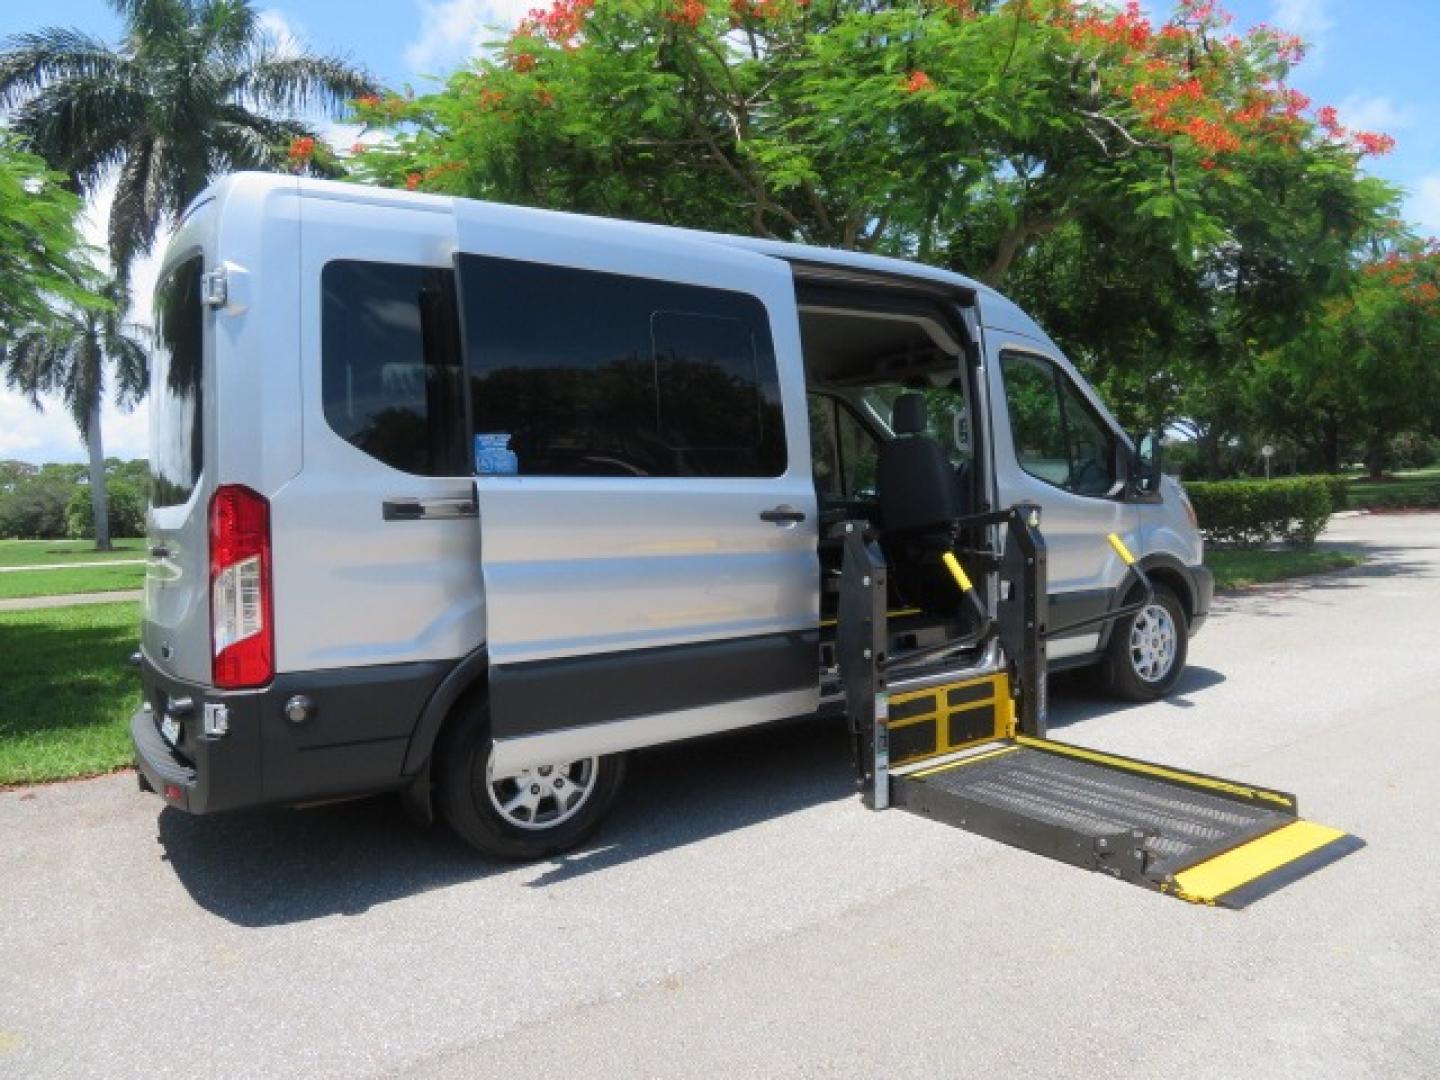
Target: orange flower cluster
x=415, y=179
x=917, y=82
x=687, y=13
x=1416, y=274
x=1211, y=135
x=1372, y=142
x=367, y=101
x=1175, y=76
x=561, y=22
x=1127, y=27
x=742, y=10
x=302, y=149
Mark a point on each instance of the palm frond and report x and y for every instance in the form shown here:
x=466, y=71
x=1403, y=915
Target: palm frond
x=150, y=22
x=275, y=83
x=31, y=62
x=81, y=125
x=139, y=206
x=131, y=361
x=228, y=28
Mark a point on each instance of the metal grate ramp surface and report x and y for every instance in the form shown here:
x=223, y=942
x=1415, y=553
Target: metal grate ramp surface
x=1197, y=837
x=1092, y=801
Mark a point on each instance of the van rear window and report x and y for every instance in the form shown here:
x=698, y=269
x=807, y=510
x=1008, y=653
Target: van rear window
x=177, y=444
x=390, y=366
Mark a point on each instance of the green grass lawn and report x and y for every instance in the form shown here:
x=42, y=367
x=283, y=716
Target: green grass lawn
x=1236, y=568
x=60, y=552
x=85, y=579
x=1419, y=488
x=66, y=691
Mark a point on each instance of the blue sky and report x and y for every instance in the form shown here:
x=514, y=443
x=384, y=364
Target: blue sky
x=1372, y=59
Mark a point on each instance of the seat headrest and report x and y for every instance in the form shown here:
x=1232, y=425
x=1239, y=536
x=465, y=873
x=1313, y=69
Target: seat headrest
x=907, y=415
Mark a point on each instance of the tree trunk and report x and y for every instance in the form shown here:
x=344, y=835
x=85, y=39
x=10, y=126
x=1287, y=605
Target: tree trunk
x=99, y=504
x=1376, y=453
x=1330, y=444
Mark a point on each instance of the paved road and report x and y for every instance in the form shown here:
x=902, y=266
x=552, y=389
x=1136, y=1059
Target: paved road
x=29, y=603
x=743, y=915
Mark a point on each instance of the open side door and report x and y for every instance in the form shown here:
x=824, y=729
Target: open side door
x=646, y=507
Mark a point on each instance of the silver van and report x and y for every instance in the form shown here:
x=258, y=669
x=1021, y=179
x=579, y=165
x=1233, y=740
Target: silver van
x=472, y=498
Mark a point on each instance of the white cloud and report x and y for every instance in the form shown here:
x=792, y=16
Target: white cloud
x=452, y=31
x=286, y=35
x=1423, y=205
x=1310, y=19
x=51, y=435
x=1375, y=113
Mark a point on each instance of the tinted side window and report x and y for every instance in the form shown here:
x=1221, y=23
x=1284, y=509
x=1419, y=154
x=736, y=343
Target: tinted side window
x=581, y=373
x=390, y=364
x=177, y=445
x=1056, y=435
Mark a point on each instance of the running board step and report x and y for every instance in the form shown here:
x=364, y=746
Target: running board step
x=1197, y=837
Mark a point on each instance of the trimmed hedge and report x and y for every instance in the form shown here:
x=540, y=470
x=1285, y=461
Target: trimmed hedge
x=1252, y=513
x=1337, y=486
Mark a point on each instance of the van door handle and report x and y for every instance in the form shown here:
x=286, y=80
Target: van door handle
x=433, y=509
x=784, y=514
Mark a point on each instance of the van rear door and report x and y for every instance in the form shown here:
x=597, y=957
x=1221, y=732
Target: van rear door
x=176, y=618
x=647, y=512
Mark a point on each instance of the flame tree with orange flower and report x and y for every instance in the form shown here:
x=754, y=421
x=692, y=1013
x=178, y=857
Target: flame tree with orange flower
x=1067, y=151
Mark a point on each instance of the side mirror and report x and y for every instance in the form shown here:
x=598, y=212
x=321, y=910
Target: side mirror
x=1146, y=474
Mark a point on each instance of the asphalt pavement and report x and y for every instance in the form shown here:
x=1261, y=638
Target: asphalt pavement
x=744, y=915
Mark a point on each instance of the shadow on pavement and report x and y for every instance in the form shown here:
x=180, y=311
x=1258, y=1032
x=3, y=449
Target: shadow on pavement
x=277, y=866
x=1074, y=698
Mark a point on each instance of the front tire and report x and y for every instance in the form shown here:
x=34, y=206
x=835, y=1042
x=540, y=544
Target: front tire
x=1147, y=650
x=539, y=813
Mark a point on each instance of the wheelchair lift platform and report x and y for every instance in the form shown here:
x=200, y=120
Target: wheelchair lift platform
x=971, y=752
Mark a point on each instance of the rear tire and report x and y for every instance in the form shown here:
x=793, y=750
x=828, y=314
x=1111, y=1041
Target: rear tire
x=542, y=812
x=1147, y=650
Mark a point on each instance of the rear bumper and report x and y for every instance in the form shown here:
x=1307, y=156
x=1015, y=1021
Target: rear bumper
x=352, y=743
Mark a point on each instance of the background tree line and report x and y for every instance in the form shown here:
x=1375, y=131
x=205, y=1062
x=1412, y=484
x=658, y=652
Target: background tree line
x=48, y=502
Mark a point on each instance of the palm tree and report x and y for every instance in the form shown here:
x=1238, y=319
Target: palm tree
x=197, y=88
x=68, y=355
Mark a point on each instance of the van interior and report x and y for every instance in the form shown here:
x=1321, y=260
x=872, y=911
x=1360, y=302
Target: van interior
x=890, y=387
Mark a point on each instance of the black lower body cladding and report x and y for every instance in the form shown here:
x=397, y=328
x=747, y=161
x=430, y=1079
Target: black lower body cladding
x=545, y=695
x=353, y=741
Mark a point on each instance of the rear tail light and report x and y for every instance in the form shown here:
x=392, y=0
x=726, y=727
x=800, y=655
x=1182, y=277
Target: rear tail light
x=242, y=625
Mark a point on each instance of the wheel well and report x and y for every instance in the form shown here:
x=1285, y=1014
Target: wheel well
x=1176, y=583
x=469, y=676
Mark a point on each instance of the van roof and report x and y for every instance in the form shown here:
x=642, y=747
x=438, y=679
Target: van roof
x=996, y=310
